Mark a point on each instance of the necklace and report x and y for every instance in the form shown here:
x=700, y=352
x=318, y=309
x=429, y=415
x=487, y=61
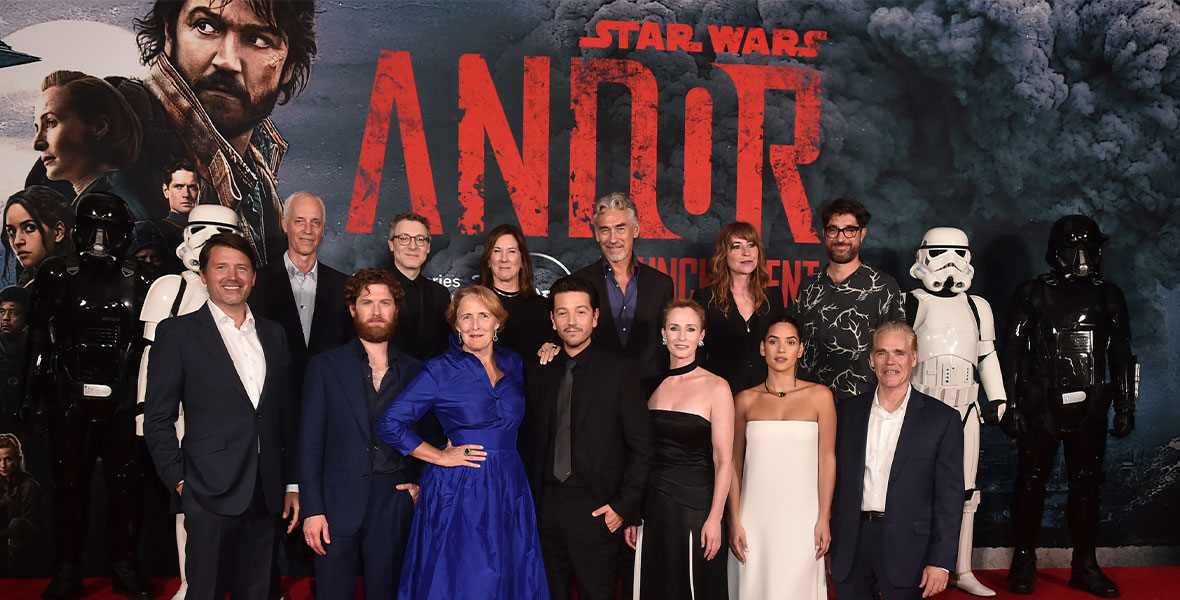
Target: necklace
x=682, y=370
x=506, y=294
x=766, y=384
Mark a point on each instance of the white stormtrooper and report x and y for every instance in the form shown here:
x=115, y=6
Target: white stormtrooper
x=173, y=295
x=956, y=339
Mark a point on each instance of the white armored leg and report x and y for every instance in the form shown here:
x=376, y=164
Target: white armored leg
x=963, y=578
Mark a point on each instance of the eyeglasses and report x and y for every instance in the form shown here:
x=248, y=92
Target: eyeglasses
x=405, y=239
x=849, y=232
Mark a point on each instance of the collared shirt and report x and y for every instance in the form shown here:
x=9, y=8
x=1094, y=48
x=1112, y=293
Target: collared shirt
x=385, y=459
x=580, y=361
x=838, y=321
x=622, y=302
x=884, y=429
x=303, y=286
x=245, y=350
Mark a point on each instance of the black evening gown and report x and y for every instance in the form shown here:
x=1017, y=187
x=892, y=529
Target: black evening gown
x=528, y=324
x=731, y=342
x=670, y=563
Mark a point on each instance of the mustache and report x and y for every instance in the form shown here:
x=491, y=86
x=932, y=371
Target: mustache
x=221, y=81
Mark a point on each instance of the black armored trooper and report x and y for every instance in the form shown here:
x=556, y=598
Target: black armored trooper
x=85, y=340
x=1066, y=330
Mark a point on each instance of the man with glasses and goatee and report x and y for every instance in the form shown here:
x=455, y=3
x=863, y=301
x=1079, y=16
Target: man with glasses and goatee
x=842, y=304
x=422, y=329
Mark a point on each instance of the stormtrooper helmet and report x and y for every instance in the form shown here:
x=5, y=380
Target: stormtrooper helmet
x=1075, y=247
x=102, y=225
x=943, y=261
x=204, y=221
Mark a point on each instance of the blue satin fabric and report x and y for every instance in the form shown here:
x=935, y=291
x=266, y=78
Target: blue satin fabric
x=474, y=534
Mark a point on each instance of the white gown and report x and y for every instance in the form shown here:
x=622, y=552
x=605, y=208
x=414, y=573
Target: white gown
x=780, y=503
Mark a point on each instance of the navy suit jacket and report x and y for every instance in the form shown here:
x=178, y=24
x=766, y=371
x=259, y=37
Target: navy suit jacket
x=924, y=501
x=226, y=439
x=336, y=442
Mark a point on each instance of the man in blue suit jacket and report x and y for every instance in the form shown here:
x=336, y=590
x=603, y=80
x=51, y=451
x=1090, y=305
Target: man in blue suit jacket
x=899, y=482
x=358, y=493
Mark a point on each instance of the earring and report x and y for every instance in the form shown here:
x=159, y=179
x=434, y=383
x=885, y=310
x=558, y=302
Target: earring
x=496, y=335
x=663, y=342
x=701, y=343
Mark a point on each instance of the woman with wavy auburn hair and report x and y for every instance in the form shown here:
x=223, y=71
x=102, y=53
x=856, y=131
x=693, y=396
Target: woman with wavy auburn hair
x=738, y=306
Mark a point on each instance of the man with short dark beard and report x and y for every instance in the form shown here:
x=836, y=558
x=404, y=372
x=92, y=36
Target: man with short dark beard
x=358, y=493
x=840, y=306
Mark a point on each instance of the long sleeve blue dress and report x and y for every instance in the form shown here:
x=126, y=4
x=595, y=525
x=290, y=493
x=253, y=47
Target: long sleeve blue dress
x=474, y=533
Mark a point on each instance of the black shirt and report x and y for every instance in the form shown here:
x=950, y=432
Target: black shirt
x=528, y=324
x=386, y=459
x=732, y=343
x=580, y=362
x=422, y=329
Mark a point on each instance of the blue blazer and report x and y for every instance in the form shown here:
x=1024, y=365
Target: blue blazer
x=924, y=502
x=336, y=441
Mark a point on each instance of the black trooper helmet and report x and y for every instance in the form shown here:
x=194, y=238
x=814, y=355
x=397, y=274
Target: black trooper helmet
x=1075, y=247
x=103, y=225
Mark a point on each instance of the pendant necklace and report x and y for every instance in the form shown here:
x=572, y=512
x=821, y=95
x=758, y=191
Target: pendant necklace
x=766, y=384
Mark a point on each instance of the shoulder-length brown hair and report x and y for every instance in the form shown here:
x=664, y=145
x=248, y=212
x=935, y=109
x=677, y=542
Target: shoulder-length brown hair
x=526, y=262
x=91, y=99
x=720, y=278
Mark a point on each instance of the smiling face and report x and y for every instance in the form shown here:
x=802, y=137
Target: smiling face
x=29, y=245
x=505, y=262
x=782, y=347
x=232, y=59
x=375, y=314
x=410, y=255
x=616, y=234
x=475, y=323
x=573, y=319
x=743, y=256
x=229, y=276
x=64, y=140
x=842, y=249
x=304, y=224
x=683, y=331
x=893, y=359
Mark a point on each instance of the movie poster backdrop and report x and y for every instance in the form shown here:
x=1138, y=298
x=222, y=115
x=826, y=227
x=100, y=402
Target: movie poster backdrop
x=995, y=117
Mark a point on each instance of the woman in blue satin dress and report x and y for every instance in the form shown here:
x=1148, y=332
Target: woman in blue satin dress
x=474, y=534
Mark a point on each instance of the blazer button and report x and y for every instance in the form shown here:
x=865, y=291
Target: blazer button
x=258, y=416
x=365, y=476
x=366, y=449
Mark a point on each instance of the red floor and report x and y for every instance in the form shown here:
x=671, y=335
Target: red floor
x=1136, y=583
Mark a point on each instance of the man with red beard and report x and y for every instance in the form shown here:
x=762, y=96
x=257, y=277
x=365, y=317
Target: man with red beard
x=358, y=493
x=840, y=306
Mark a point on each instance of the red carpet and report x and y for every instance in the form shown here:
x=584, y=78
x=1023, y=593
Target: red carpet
x=1136, y=583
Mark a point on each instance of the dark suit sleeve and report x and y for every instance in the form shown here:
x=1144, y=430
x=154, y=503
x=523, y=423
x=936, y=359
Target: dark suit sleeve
x=396, y=425
x=640, y=441
x=948, y=495
x=161, y=408
x=312, y=437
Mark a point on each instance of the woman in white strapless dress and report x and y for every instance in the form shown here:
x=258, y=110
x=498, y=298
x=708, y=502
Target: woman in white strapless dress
x=784, y=462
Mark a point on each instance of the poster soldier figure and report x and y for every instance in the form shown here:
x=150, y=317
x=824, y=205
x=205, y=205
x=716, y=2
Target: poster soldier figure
x=1065, y=329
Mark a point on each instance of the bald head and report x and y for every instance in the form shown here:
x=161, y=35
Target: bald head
x=303, y=222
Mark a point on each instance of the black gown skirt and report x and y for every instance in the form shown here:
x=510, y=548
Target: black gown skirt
x=671, y=563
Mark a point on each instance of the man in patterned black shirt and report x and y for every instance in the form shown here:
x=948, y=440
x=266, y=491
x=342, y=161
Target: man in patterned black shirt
x=841, y=305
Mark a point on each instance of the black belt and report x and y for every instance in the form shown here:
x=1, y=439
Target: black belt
x=872, y=516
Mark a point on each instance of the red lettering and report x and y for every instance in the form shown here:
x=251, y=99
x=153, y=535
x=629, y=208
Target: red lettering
x=785, y=42
x=756, y=42
x=585, y=77
x=685, y=265
x=698, y=150
x=393, y=84
x=680, y=38
x=650, y=37
x=603, y=39
x=772, y=265
x=726, y=39
x=751, y=82
x=525, y=171
x=811, y=41
x=625, y=28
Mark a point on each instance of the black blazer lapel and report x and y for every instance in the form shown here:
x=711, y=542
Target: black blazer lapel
x=211, y=337
x=320, y=317
x=646, y=295
x=287, y=310
x=859, y=427
x=910, y=428
x=590, y=377
x=348, y=372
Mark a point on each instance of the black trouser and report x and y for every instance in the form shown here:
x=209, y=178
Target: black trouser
x=577, y=546
x=75, y=443
x=1084, y=451
x=868, y=576
x=229, y=553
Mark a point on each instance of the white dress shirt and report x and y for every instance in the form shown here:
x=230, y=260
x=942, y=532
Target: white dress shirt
x=303, y=286
x=245, y=350
x=884, y=429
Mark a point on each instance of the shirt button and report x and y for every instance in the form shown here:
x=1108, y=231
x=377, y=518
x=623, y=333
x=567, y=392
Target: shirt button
x=366, y=449
x=365, y=476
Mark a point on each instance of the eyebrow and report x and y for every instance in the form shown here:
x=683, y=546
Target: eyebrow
x=247, y=28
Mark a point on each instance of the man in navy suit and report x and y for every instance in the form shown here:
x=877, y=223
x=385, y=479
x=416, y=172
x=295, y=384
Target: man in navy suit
x=358, y=493
x=230, y=370
x=899, y=482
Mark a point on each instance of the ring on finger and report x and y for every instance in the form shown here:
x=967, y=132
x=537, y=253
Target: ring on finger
x=467, y=452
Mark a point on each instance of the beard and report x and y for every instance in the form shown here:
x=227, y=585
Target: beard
x=842, y=255
x=375, y=333
x=231, y=121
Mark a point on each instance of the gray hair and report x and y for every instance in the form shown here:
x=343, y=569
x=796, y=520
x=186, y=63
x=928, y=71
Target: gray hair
x=290, y=199
x=897, y=327
x=617, y=200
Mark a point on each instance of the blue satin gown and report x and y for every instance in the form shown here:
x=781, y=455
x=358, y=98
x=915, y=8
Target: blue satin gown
x=474, y=534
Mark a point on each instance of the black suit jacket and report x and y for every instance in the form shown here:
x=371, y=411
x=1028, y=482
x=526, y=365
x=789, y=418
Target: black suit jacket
x=227, y=442
x=331, y=323
x=610, y=428
x=643, y=344
x=924, y=502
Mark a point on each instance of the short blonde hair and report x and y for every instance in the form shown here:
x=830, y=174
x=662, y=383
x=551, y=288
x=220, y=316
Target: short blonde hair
x=897, y=327
x=484, y=295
